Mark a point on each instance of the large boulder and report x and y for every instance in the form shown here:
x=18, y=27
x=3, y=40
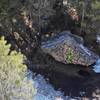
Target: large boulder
x=68, y=48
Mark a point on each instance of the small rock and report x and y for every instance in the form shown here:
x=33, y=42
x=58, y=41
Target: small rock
x=58, y=98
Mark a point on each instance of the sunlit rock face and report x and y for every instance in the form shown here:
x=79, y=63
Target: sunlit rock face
x=97, y=66
x=98, y=38
x=68, y=48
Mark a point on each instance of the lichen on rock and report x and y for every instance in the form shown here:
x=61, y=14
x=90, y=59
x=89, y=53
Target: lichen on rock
x=68, y=48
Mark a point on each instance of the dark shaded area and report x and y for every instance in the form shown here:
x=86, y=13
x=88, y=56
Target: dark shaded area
x=73, y=80
x=72, y=85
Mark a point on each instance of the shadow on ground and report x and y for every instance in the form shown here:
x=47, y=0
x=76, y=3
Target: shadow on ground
x=73, y=80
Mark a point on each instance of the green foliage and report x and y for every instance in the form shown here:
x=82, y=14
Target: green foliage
x=13, y=83
x=89, y=11
x=96, y=5
x=69, y=56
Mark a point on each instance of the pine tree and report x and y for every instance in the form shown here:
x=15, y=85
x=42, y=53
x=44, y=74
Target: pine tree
x=13, y=83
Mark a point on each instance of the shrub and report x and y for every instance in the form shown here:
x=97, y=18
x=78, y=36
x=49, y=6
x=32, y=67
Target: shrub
x=13, y=83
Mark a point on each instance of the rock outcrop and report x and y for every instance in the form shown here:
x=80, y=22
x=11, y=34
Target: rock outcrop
x=68, y=48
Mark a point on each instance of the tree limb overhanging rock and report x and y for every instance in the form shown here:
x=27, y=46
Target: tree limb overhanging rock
x=68, y=48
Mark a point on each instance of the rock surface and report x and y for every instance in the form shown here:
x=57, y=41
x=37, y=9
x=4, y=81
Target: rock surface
x=68, y=48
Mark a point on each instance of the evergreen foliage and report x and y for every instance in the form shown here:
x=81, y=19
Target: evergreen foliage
x=13, y=83
x=89, y=11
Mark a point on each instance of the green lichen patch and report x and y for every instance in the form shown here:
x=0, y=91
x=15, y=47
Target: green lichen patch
x=69, y=55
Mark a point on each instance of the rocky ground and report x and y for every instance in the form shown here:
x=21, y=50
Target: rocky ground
x=73, y=80
x=30, y=30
